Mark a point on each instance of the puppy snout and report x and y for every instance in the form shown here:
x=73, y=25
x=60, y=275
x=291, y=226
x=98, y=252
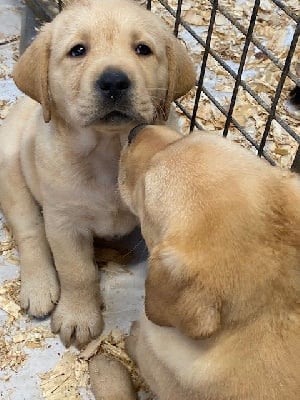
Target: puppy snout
x=113, y=84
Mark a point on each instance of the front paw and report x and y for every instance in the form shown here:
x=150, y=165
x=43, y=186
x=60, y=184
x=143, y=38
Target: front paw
x=77, y=321
x=39, y=292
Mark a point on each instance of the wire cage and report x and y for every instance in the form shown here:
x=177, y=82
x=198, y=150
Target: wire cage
x=234, y=42
x=246, y=53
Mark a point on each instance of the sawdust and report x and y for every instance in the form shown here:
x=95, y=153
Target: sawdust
x=66, y=379
x=9, y=299
x=15, y=343
x=70, y=374
x=14, y=339
x=4, y=107
x=12, y=356
x=4, y=41
x=8, y=249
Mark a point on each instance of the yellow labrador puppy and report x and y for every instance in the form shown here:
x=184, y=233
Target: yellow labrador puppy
x=91, y=74
x=223, y=287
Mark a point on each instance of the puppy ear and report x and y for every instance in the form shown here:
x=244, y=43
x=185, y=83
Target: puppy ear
x=31, y=71
x=176, y=296
x=161, y=292
x=181, y=70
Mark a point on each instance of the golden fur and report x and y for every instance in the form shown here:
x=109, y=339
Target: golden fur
x=69, y=166
x=223, y=287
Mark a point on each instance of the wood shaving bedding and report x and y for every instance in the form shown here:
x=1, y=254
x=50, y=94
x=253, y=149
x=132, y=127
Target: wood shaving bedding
x=9, y=299
x=16, y=337
x=12, y=355
x=66, y=379
x=70, y=374
x=8, y=249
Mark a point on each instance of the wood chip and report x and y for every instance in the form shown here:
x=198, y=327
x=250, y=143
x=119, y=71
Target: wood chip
x=65, y=379
x=9, y=298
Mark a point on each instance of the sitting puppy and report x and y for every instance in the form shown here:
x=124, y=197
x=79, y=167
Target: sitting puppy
x=92, y=74
x=223, y=288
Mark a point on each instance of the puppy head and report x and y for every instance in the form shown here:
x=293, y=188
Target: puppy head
x=144, y=142
x=105, y=63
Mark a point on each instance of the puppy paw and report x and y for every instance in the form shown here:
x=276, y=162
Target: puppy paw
x=104, y=372
x=39, y=292
x=77, y=321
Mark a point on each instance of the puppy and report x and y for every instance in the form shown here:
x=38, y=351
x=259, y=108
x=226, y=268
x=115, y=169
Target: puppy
x=292, y=105
x=92, y=74
x=223, y=289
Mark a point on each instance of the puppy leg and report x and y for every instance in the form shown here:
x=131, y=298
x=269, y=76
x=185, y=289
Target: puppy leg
x=77, y=316
x=110, y=379
x=39, y=284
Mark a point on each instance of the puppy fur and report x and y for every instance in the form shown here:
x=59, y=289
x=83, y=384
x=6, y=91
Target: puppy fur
x=103, y=371
x=60, y=147
x=223, y=287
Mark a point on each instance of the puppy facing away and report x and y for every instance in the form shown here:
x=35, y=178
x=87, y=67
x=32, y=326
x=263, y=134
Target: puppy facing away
x=222, y=297
x=92, y=74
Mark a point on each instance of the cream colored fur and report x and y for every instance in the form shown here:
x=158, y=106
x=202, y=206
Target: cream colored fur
x=61, y=157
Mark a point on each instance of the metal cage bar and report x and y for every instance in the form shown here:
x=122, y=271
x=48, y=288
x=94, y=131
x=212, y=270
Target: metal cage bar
x=177, y=17
x=239, y=82
x=231, y=72
x=241, y=66
x=246, y=135
x=204, y=62
x=276, y=61
x=187, y=114
x=286, y=9
x=279, y=89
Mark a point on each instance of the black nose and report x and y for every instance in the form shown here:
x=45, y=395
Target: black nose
x=113, y=83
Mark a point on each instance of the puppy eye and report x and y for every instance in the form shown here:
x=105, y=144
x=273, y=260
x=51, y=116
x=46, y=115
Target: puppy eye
x=143, y=50
x=77, y=51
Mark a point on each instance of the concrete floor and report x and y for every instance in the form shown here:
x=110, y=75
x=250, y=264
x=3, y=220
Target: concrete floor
x=122, y=289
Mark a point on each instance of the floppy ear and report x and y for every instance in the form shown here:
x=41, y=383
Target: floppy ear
x=182, y=75
x=31, y=71
x=175, y=296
